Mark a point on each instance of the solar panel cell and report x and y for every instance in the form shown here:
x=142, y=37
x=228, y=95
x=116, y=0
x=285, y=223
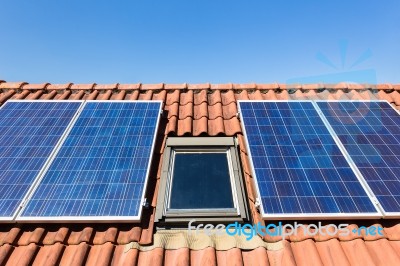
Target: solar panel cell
x=101, y=169
x=297, y=164
x=29, y=131
x=370, y=132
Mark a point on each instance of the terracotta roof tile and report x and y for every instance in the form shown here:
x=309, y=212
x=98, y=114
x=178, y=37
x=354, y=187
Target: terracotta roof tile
x=22, y=95
x=215, y=111
x=396, y=246
x=172, y=97
x=255, y=95
x=158, y=86
x=311, y=257
x=283, y=256
x=145, y=95
x=172, y=126
x=92, y=95
x=382, y=252
x=200, y=97
x=129, y=86
x=331, y=253
x=159, y=96
x=100, y=255
x=12, y=85
x=227, y=86
x=356, y=252
x=282, y=95
x=172, y=110
x=177, y=257
x=251, y=194
x=118, y=95
x=200, y=111
x=230, y=257
x=205, y=256
x=248, y=86
x=9, y=234
x=186, y=97
x=41, y=86
x=59, y=86
x=232, y=126
x=185, y=126
x=313, y=86
x=242, y=143
x=5, y=252
x=176, y=86
x=6, y=95
x=393, y=232
x=49, y=255
x=56, y=236
x=384, y=96
x=228, y=97
x=216, y=127
x=193, y=110
x=128, y=236
x=153, y=257
x=133, y=96
x=29, y=237
x=395, y=97
x=124, y=257
x=78, y=236
x=86, y=87
x=23, y=255
x=108, y=235
x=200, y=126
x=113, y=86
x=214, y=97
x=204, y=86
x=241, y=95
x=384, y=86
x=147, y=229
x=35, y=95
x=106, y=95
x=50, y=95
x=256, y=256
x=75, y=254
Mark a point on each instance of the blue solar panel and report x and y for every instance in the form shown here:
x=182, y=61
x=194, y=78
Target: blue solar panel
x=370, y=132
x=102, y=167
x=298, y=166
x=29, y=131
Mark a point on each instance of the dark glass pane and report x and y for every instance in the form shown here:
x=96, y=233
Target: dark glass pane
x=201, y=181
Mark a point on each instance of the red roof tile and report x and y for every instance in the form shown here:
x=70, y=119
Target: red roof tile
x=192, y=110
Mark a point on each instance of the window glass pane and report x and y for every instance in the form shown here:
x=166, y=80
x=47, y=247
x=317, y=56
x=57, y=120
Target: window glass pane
x=201, y=181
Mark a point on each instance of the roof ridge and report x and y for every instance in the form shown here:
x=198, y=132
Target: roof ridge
x=220, y=86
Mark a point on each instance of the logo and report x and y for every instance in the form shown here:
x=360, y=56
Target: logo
x=282, y=230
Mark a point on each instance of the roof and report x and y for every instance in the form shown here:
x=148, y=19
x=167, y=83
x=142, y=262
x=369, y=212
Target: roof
x=192, y=110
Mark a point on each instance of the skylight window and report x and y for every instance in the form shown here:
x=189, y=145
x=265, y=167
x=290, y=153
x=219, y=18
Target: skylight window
x=201, y=180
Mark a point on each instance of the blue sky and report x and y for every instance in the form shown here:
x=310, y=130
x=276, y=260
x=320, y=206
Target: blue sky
x=203, y=41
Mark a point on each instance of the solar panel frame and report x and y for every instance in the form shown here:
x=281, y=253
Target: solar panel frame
x=374, y=198
x=302, y=216
x=98, y=219
x=48, y=160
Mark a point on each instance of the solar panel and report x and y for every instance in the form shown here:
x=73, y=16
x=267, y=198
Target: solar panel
x=29, y=132
x=370, y=132
x=299, y=168
x=100, y=172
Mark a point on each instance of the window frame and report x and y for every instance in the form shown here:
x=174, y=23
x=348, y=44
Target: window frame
x=226, y=145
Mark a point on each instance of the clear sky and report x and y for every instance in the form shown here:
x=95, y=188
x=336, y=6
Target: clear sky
x=189, y=41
